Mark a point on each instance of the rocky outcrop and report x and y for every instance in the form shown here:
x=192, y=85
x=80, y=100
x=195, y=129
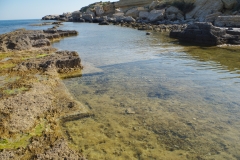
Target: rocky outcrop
x=204, y=8
x=134, y=12
x=202, y=33
x=26, y=39
x=126, y=4
x=229, y=4
x=212, y=17
x=173, y=13
x=63, y=61
x=227, y=21
x=51, y=17
x=156, y=15
x=99, y=10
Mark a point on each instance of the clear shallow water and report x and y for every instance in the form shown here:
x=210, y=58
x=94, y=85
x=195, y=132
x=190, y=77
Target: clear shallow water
x=185, y=99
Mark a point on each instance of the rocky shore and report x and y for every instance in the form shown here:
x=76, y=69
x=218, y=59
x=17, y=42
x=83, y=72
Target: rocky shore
x=159, y=16
x=34, y=101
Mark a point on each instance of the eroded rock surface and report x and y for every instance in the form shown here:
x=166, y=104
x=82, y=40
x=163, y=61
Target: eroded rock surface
x=30, y=39
x=63, y=61
x=203, y=33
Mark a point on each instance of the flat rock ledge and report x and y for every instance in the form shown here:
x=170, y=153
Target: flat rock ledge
x=204, y=33
x=62, y=61
x=22, y=40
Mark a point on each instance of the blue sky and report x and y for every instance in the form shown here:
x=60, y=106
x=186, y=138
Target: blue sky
x=36, y=9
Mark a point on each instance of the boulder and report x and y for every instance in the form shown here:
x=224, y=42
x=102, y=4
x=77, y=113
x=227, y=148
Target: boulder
x=109, y=8
x=172, y=9
x=104, y=23
x=129, y=19
x=204, y=33
x=212, y=17
x=156, y=15
x=134, y=12
x=118, y=10
x=119, y=17
x=153, y=5
x=180, y=17
x=76, y=14
x=228, y=21
x=50, y=17
x=173, y=13
x=229, y=4
x=143, y=14
x=87, y=17
x=204, y=8
x=99, y=10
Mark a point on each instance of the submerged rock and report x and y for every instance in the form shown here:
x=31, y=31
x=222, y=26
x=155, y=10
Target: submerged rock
x=129, y=111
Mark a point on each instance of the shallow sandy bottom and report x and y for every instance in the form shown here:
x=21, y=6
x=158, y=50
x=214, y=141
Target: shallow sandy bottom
x=152, y=98
x=151, y=116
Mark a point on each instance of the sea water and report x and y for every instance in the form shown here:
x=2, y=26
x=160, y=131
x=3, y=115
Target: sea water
x=151, y=97
x=31, y=24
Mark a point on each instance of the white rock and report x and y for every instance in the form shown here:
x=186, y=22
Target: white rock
x=143, y=14
x=134, y=12
x=87, y=17
x=153, y=5
x=156, y=15
x=227, y=21
x=118, y=10
x=118, y=15
x=129, y=19
x=212, y=17
x=204, y=8
x=172, y=9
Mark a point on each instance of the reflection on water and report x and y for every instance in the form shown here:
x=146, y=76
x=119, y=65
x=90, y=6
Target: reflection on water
x=152, y=98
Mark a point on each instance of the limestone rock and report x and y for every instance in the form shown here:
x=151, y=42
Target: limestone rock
x=118, y=10
x=228, y=21
x=99, y=10
x=119, y=16
x=212, y=17
x=203, y=33
x=173, y=13
x=87, y=17
x=126, y=4
x=153, y=5
x=229, y=4
x=134, y=12
x=143, y=14
x=129, y=111
x=156, y=15
x=129, y=19
x=204, y=8
x=50, y=17
x=26, y=40
x=109, y=8
x=62, y=60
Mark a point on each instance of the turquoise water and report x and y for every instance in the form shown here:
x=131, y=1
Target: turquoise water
x=184, y=100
